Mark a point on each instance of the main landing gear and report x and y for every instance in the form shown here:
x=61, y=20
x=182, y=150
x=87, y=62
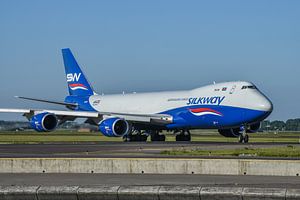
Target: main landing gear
x=155, y=136
x=184, y=135
x=142, y=136
x=136, y=136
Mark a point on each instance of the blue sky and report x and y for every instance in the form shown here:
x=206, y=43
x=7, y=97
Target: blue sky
x=150, y=46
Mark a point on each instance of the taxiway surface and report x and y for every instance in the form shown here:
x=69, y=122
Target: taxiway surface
x=117, y=149
x=148, y=179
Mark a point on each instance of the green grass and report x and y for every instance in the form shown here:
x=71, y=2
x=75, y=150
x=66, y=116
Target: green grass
x=289, y=151
x=197, y=136
x=57, y=136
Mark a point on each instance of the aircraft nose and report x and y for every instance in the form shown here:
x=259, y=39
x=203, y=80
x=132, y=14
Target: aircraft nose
x=266, y=105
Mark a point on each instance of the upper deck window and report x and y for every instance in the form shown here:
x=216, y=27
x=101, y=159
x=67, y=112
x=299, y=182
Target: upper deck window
x=249, y=87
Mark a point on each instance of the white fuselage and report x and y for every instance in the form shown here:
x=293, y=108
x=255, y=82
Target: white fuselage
x=157, y=102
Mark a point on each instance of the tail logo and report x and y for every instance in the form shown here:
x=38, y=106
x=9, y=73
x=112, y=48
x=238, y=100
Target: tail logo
x=73, y=77
x=204, y=111
x=77, y=86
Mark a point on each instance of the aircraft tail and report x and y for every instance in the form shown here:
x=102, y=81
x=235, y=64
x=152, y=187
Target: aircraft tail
x=77, y=82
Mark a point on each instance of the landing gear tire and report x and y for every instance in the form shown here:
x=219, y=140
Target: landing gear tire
x=138, y=137
x=156, y=137
x=244, y=138
x=184, y=135
x=126, y=138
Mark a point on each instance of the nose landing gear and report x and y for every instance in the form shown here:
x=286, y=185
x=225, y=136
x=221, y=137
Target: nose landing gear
x=243, y=137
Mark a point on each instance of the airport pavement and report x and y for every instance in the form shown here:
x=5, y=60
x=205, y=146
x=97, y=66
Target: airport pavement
x=134, y=187
x=117, y=149
x=93, y=185
x=26, y=179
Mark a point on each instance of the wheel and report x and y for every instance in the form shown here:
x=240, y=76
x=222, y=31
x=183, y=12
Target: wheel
x=156, y=137
x=135, y=138
x=246, y=138
x=184, y=136
x=241, y=138
x=178, y=137
x=188, y=138
x=143, y=138
x=162, y=138
x=126, y=138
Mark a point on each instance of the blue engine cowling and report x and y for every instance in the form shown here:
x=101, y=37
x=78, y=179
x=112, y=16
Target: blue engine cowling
x=114, y=127
x=232, y=132
x=253, y=128
x=44, y=122
x=236, y=132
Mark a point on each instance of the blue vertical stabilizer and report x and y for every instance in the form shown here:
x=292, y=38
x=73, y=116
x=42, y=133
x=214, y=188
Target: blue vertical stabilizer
x=78, y=84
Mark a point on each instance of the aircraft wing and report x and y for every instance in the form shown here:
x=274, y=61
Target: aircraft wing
x=96, y=116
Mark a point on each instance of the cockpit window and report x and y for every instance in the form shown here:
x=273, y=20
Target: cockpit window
x=249, y=87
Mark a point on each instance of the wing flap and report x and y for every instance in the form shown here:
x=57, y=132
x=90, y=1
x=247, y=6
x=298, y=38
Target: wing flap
x=146, y=118
x=81, y=114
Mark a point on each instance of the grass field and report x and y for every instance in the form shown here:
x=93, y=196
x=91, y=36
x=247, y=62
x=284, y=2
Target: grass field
x=288, y=151
x=32, y=137
x=74, y=137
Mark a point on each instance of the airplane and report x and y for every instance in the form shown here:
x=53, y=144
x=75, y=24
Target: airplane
x=233, y=108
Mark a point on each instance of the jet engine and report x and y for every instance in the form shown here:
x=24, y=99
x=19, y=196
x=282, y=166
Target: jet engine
x=44, y=122
x=114, y=127
x=232, y=132
x=235, y=132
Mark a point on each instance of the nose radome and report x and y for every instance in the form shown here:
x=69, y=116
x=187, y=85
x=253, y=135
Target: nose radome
x=266, y=105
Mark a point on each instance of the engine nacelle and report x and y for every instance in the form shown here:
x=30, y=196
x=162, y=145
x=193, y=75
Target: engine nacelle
x=253, y=128
x=114, y=127
x=232, y=132
x=44, y=122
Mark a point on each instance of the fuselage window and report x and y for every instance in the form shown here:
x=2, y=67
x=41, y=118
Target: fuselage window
x=248, y=87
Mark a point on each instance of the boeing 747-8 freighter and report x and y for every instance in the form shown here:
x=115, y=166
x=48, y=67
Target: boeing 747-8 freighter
x=234, y=108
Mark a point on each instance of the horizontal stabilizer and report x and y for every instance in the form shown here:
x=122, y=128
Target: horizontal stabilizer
x=47, y=101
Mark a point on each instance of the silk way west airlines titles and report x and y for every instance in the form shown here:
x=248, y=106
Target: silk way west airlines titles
x=234, y=108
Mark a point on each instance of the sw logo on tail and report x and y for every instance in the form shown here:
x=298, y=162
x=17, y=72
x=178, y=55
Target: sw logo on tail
x=73, y=77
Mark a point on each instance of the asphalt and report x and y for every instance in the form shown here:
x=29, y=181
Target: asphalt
x=144, y=150
x=147, y=179
x=120, y=150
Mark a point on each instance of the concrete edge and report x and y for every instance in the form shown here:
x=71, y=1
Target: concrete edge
x=145, y=192
x=151, y=166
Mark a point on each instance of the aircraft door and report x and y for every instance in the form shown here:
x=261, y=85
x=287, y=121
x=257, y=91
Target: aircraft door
x=232, y=89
